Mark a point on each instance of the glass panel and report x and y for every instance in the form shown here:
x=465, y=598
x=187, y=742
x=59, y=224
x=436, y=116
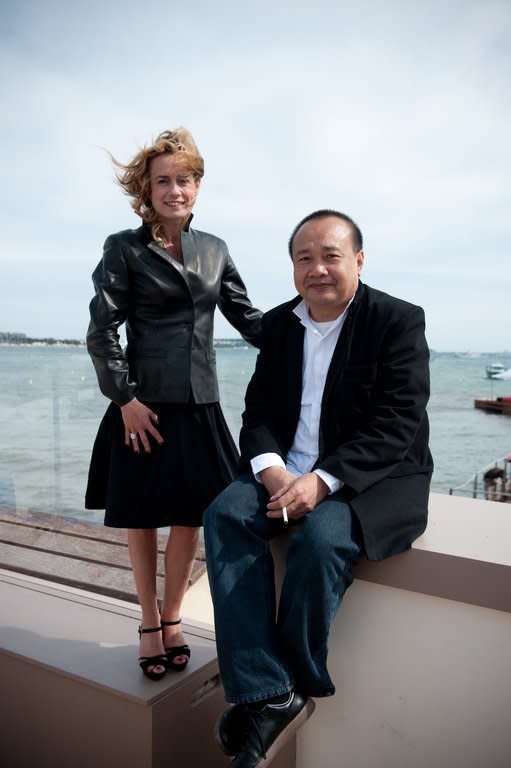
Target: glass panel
x=50, y=410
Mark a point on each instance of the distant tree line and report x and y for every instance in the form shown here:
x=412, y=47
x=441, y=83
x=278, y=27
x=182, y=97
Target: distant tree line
x=22, y=338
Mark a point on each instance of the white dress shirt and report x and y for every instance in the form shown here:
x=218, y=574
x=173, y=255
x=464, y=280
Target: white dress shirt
x=318, y=347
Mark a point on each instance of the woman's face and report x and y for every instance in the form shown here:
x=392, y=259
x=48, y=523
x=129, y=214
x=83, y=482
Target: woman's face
x=173, y=189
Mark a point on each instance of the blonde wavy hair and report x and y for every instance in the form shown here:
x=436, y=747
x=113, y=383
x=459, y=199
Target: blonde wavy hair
x=135, y=177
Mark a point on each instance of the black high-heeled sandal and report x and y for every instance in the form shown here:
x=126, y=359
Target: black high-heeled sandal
x=176, y=650
x=152, y=661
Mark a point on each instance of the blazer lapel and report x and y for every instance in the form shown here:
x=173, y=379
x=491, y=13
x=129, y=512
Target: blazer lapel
x=341, y=354
x=293, y=359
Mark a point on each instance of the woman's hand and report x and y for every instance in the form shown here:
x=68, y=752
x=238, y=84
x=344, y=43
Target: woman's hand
x=139, y=420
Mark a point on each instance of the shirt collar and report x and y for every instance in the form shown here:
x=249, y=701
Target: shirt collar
x=302, y=312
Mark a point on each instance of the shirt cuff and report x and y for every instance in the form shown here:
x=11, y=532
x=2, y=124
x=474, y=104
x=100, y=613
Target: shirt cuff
x=333, y=483
x=265, y=460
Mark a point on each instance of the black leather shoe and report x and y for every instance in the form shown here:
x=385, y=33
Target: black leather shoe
x=231, y=729
x=269, y=726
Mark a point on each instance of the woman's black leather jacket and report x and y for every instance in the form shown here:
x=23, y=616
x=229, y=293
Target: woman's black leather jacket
x=168, y=310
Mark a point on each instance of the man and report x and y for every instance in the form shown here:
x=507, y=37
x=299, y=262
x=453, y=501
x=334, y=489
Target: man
x=335, y=441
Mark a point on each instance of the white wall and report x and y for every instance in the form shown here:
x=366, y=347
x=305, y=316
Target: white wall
x=421, y=682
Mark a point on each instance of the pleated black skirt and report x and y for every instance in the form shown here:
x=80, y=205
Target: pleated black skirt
x=174, y=483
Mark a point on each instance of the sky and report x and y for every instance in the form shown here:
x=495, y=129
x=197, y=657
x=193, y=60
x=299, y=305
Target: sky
x=397, y=113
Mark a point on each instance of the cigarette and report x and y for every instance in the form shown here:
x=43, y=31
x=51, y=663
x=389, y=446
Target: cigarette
x=284, y=515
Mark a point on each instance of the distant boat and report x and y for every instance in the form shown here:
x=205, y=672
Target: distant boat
x=504, y=376
x=492, y=482
x=498, y=405
x=495, y=370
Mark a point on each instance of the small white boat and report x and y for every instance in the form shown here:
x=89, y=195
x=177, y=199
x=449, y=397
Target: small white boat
x=503, y=375
x=496, y=369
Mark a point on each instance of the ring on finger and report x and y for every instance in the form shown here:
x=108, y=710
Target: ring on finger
x=133, y=435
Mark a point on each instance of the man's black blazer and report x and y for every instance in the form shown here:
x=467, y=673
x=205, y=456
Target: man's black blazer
x=374, y=428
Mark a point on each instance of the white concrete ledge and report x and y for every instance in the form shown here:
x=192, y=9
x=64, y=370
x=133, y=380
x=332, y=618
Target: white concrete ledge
x=72, y=692
x=464, y=555
x=420, y=652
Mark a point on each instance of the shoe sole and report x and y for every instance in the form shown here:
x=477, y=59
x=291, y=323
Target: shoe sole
x=289, y=731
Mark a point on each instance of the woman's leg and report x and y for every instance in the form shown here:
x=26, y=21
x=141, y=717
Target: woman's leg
x=179, y=558
x=143, y=550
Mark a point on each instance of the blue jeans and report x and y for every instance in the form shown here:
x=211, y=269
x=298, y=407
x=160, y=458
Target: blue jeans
x=263, y=653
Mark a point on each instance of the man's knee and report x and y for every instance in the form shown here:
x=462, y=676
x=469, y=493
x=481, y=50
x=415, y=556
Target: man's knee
x=237, y=500
x=218, y=507
x=332, y=532
x=320, y=544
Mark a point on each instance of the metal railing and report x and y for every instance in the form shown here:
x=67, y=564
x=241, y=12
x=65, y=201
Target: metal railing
x=492, y=483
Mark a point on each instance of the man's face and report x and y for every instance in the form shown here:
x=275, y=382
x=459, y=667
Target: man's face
x=326, y=267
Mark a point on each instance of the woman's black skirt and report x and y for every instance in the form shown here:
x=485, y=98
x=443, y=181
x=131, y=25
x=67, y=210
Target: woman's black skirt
x=174, y=483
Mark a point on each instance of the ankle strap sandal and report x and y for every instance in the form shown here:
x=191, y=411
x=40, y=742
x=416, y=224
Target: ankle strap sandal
x=174, y=651
x=160, y=660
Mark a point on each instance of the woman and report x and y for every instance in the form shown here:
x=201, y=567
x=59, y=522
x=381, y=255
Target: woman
x=163, y=449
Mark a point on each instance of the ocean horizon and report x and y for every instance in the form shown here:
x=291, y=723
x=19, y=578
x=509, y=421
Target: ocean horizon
x=19, y=339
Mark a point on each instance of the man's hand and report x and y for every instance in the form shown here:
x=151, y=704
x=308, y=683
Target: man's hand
x=276, y=478
x=138, y=421
x=299, y=496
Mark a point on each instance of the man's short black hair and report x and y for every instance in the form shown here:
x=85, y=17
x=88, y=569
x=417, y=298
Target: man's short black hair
x=356, y=234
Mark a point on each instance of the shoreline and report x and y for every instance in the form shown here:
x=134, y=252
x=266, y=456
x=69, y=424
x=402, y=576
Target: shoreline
x=225, y=343
x=5, y=344
x=238, y=343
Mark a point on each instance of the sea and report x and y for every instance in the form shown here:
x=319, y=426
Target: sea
x=51, y=407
